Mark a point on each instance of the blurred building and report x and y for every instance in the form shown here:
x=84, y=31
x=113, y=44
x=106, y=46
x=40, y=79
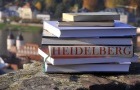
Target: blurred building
x=1, y=16
x=25, y=12
x=43, y=16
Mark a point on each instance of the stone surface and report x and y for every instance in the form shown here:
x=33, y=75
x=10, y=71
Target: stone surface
x=33, y=78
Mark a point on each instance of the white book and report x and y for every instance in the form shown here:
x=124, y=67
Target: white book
x=120, y=29
x=86, y=68
x=69, y=61
x=90, y=16
x=86, y=41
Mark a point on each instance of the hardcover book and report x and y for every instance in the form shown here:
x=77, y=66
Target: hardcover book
x=69, y=61
x=120, y=29
x=48, y=40
x=90, y=16
x=84, y=68
x=87, y=24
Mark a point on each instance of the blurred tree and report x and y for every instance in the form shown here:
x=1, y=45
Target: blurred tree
x=74, y=9
x=71, y=6
x=1, y=3
x=38, y=5
x=134, y=2
x=90, y=4
x=115, y=3
x=76, y=5
x=50, y=6
x=79, y=3
x=62, y=7
x=50, y=3
x=135, y=5
x=58, y=1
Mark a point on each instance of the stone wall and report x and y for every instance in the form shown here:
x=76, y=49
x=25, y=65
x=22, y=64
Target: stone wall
x=33, y=78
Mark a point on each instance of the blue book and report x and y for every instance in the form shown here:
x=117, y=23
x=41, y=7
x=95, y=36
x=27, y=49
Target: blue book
x=120, y=29
x=86, y=41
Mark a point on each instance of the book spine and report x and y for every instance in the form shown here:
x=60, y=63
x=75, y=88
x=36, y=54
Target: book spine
x=86, y=41
x=87, y=68
x=86, y=24
x=90, y=51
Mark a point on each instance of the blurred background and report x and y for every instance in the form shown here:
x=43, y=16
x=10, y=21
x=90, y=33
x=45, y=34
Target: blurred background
x=55, y=8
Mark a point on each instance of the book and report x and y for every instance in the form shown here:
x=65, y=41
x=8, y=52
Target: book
x=120, y=29
x=84, y=68
x=85, y=41
x=68, y=61
x=89, y=51
x=90, y=16
x=87, y=24
x=46, y=34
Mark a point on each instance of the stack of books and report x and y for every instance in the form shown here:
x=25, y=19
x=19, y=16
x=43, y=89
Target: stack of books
x=80, y=43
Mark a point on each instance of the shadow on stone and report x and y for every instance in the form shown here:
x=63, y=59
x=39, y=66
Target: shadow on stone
x=115, y=86
x=109, y=86
x=135, y=87
x=135, y=68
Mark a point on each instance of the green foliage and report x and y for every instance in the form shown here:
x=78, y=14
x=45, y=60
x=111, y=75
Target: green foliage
x=2, y=26
x=37, y=21
x=20, y=27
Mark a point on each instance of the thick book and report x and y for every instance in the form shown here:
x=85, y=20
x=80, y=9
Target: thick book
x=90, y=16
x=87, y=24
x=85, y=41
x=120, y=29
x=84, y=68
x=89, y=51
x=68, y=61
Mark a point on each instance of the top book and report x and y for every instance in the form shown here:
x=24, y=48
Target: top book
x=92, y=16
